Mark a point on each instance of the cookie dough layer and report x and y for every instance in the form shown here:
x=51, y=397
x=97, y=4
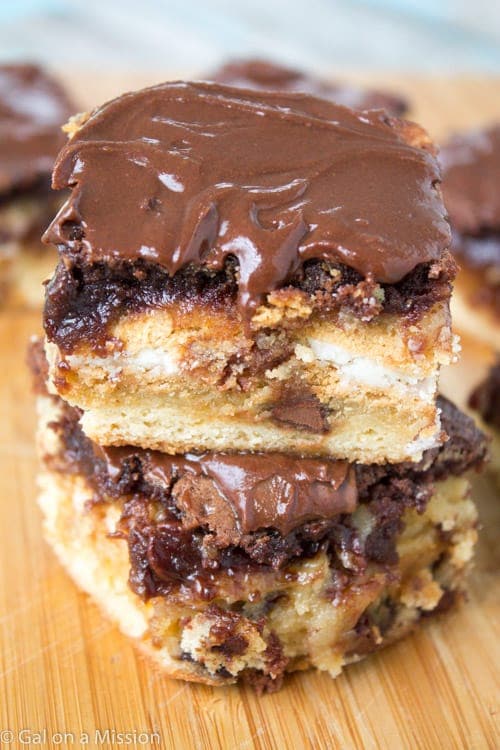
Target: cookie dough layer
x=270, y=624
x=176, y=381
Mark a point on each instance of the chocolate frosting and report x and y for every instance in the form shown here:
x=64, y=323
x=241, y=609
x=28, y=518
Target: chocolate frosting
x=471, y=181
x=248, y=491
x=193, y=173
x=264, y=75
x=33, y=107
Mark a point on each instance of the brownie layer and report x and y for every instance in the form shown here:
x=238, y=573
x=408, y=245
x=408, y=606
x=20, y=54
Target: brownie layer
x=176, y=184
x=83, y=301
x=269, y=76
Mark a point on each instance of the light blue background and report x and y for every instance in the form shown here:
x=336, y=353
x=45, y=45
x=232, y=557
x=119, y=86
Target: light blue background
x=406, y=35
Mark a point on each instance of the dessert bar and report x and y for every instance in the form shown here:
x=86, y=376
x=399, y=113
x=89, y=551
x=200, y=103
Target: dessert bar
x=264, y=75
x=485, y=400
x=250, y=271
x=471, y=188
x=33, y=107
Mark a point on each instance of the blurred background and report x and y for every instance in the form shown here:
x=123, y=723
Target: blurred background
x=186, y=36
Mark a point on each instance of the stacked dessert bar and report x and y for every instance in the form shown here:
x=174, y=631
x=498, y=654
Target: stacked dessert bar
x=33, y=107
x=245, y=460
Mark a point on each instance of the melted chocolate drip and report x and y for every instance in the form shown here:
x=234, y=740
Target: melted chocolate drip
x=249, y=491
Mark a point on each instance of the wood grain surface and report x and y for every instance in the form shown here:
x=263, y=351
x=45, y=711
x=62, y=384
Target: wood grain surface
x=65, y=672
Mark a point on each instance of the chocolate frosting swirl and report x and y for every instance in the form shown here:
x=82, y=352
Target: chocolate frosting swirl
x=33, y=107
x=193, y=173
x=245, y=492
x=264, y=75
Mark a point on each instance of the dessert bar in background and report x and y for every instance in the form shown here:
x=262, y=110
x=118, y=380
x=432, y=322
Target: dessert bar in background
x=471, y=188
x=33, y=108
x=215, y=295
x=265, y=75
x=226, y=567
x=485, y=400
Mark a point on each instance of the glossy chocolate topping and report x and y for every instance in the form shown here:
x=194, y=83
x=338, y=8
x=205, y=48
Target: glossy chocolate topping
x=193, y=173
x=33, y=107
x=263, y=75
x=471, y=181
x=246, y=492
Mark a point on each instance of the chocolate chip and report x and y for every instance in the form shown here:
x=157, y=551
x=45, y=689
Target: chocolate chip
x=301, y=409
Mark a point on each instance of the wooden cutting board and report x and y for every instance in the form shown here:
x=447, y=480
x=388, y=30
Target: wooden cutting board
x=64, y=669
